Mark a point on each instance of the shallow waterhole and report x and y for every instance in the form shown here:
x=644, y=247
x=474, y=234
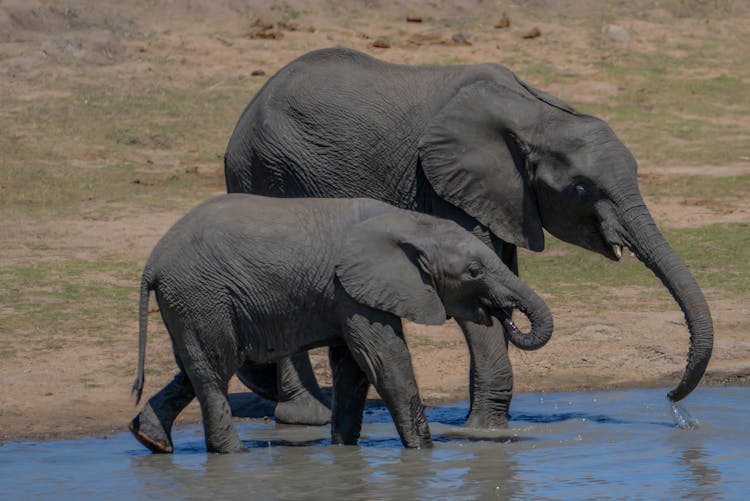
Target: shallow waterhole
x=587, y=444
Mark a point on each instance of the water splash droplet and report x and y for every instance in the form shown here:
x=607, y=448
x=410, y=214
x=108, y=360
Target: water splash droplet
x=682, y=417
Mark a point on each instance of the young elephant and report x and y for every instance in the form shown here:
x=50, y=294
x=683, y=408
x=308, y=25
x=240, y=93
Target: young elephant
x=246, y=279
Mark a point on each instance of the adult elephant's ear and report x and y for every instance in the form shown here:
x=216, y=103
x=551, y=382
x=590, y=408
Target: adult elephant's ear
x=472, y=154
x=386, y=264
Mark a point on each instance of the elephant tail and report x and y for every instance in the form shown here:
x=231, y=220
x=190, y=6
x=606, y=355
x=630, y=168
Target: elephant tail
x=146, y=286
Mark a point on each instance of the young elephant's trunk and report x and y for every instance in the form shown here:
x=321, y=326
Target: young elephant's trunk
x=535, y=309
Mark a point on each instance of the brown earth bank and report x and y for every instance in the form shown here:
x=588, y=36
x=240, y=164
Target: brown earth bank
x=114, y=120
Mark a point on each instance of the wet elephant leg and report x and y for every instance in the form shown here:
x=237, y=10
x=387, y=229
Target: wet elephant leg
x=153, y=425
x=377, y=344
x=301, y=400
x=290, y=382
x=350, y=387
x=491, y=375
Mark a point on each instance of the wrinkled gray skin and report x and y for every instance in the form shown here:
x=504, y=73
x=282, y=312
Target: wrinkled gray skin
x=471, y=143
x=244, y=279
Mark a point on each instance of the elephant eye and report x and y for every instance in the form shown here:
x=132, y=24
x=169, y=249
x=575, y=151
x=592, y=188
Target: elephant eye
x=475, y=271
x=581, y=192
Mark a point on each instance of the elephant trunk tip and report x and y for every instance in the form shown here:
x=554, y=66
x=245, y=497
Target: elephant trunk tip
x=689, y=382
x=699, y=353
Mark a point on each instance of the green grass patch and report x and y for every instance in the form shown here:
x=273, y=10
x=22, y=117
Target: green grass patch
x=58, y=153
x=64, y=189
x=668, y=114
x=56, y=303
x=722, y=188
x=717, y=255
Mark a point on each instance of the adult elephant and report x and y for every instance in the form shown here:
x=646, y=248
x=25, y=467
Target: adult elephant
x=471, y=143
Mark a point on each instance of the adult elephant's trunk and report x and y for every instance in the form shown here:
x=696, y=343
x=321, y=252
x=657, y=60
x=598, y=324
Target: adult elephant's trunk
x=649, y=245
x=535, y=309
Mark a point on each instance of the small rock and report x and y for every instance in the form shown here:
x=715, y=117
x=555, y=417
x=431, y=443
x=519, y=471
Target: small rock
x=460, y=39
x=616, y=33
x=381, y=43
x=262, y=28
x=257, y=73
x=311, y=29
x=503, y=22
x=288, y=25
x=261, y=23
x=532, y=33
x=434, y=37
x=428, y=38
x=413, y=17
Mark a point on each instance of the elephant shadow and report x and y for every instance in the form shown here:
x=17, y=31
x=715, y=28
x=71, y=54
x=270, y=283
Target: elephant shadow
x=252, y=406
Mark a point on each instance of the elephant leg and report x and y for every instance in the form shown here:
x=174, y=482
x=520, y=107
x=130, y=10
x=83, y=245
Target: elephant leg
x=211, y=384
x=376, y=340
x=491, y=375
x=261, y=378
x=300, y=399
x=153, y=425
x=350, y=387
x=221, y=435
x=290, y=382
x=207, y=355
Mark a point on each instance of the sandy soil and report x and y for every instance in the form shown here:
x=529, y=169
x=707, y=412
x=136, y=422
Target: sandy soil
x=51, y=48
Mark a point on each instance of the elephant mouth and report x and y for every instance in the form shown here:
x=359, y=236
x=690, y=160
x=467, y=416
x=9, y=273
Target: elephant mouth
x=506, y=318
x=484, y=315
x=610, y=245
x=612, y=236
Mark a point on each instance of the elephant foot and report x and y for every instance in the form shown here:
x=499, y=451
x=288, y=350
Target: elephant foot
x=304, y=409
x=150, y=433
x=489, y=417
x=485, y=421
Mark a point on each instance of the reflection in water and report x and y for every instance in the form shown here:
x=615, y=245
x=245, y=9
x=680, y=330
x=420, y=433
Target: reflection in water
x=704, y=476
x=590, y=445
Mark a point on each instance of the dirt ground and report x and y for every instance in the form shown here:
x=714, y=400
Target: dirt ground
x=115, y=117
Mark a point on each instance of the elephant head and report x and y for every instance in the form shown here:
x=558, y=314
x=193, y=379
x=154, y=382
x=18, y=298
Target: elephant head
x=424, y=269
x=519, y=160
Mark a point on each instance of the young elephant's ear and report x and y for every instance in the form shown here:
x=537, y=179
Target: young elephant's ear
x=386, y=264
x=472, y=157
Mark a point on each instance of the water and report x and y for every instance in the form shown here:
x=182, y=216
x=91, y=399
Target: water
x=559, y=445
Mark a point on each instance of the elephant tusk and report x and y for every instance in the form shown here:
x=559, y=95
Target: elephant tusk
x=617, y=249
